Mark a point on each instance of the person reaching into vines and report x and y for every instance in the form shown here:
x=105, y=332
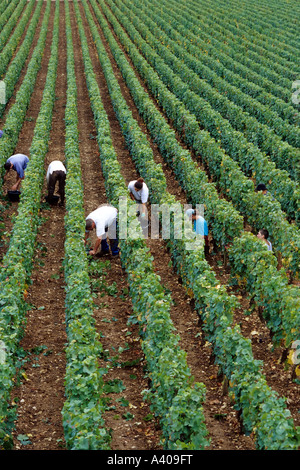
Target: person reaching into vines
x=139, y=192
x=18, y=163
x=263, y=235
x=200, y=226
x=104, y=221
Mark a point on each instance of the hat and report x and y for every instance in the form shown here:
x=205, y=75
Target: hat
x=261, y=187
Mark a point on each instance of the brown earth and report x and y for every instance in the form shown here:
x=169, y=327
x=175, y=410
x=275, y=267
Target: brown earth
x=40, y=396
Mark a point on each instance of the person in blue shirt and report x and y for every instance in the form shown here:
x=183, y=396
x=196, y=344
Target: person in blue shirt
x=18, y=163
x=200, y=227
x=1, y=133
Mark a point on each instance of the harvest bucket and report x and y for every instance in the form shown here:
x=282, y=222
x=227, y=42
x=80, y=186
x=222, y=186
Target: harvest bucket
x=53, y=200
x=14, y=196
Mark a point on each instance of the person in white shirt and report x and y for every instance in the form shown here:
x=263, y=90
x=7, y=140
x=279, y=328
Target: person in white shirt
x=139, y=192
x=263, y=235
x=56, y=173
x=104, y=220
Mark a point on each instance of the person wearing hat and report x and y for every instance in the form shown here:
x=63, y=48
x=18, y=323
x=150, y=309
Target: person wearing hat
x=104, y=221
x=139, y=192
x=56, y=173
x=262, y=187
x=18, y=163
x=199, y=226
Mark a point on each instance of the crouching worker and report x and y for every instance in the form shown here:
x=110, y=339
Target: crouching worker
x=56, y=173
x=199, y=226
x=139, y=192
x=18, y=163
x=104, y=220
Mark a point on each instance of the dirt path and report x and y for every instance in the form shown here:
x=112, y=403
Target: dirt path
x=41, y=394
